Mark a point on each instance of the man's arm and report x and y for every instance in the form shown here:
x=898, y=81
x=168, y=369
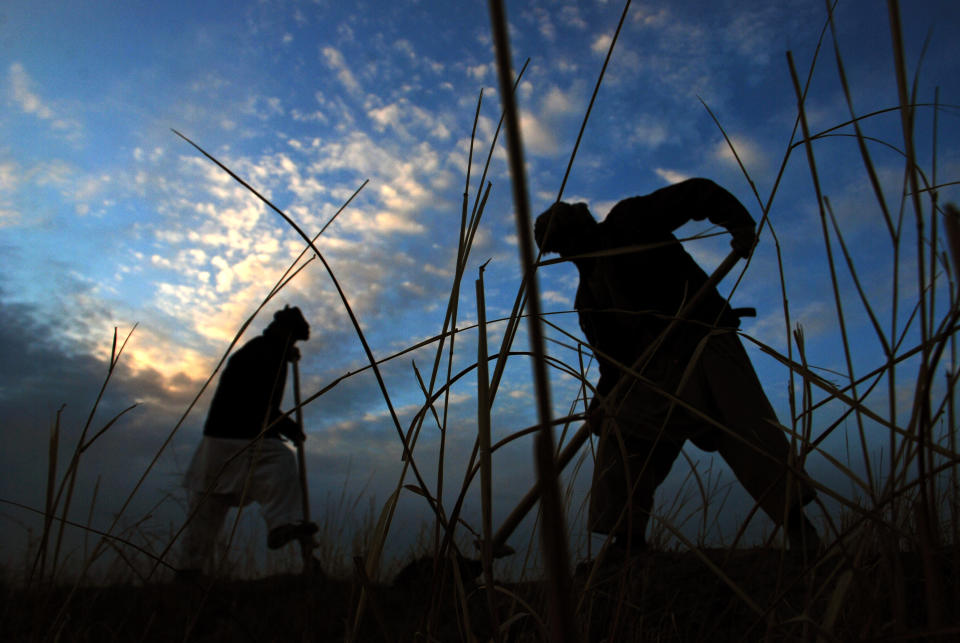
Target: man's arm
x=695, y=199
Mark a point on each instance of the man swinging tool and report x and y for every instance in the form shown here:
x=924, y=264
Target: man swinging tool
x=696, y=381
x=242, y=457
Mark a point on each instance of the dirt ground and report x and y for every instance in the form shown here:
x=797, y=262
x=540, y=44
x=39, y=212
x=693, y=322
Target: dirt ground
x=661, y=596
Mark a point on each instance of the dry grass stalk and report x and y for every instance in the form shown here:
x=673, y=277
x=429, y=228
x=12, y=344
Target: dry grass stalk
x=553, y=531
x=906, y=511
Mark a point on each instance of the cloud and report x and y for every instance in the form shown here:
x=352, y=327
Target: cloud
x=9, y=216
x=677, y=62
x=647, y=17
x=220, y=249
x=28, y=101
x=756, y=32
x=337, y=63
x=601, y=209
x=538, y=138
x=749, y=151
x=180, y=371
x=85, y=191
x=545, y=25
x=10, y=179
x=556, y=102
x=327, y=112
x=263, y=107
x=570, y=17
x=153, y=155
x=40, y=351
x=671, y=176
x=21, y=88
x=556, y=297
x=815, y=316
x=9, y=176
x=389, y=222
x=410, y=121
x=650, y=132
x=348, y=429
x=407, y=49
x=479, y=72
x=601, y=44
x=387, y=115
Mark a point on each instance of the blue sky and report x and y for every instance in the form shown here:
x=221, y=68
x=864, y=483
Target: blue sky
x=107, y=218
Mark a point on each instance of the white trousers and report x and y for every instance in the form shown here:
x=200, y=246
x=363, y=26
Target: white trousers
x=218, y=479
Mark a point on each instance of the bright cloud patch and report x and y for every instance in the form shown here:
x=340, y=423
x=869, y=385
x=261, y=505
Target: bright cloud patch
x=671, y=176
x=650, y=133
x=336, y=61
x=746, y=149
x=21, y=87
x=537, y=137
x=601, y=44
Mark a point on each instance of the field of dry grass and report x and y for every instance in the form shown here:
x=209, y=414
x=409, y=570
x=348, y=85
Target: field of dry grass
x=887, y=570
x=663, y=596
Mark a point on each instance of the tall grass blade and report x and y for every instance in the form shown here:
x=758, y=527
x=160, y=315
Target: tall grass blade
x=593, y=98
x=520, y=301
x=847, y=353
x=53, y=450
x=861, y=141
x=373, y=561
x=103, y=534
x=93, y=502
x=553, y=531
x=951, y=222
x=929, y=528
x=881, y=336
x=486, y=462
x=70, y=477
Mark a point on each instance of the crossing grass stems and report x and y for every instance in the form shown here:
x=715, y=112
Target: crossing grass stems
x=907, y=510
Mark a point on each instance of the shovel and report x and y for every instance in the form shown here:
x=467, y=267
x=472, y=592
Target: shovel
x=306, y=544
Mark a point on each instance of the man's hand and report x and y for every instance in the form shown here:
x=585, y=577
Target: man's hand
x=297, y=438
x=744, y=239
x=293, y=354
x=291, y=431
x=595, y=416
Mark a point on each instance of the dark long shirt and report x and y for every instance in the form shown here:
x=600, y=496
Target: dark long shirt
x=624, y=301
x=250, y=390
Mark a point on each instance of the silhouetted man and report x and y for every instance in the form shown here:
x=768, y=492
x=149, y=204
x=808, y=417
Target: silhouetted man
x=624, y=302
x=245, y=419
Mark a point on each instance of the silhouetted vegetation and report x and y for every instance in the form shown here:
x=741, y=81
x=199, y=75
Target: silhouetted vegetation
x=889, y=561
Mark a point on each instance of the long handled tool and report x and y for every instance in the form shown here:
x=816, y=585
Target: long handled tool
x=306, y=544
x=499, y=545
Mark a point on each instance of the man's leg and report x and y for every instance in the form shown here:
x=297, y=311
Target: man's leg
x=275, y=486
x=758, y=451
x=201, y=532
x=627, y=472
